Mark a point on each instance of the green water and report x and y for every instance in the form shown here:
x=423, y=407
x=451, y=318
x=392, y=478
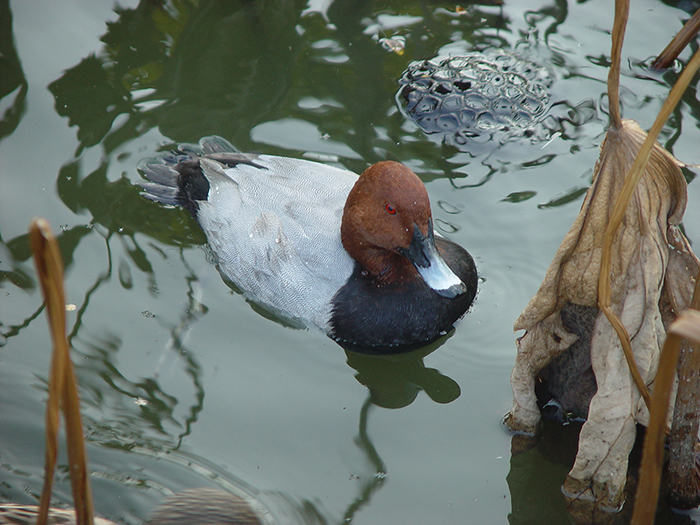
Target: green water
x=183, y=382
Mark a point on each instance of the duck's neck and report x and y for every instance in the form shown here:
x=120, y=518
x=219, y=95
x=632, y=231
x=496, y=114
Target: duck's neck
x=387, y=267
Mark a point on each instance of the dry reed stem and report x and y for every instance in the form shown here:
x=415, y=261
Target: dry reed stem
x=618, y=38
x=675, y=46
x=62, y=385
x=683, y=438
x=686, y=326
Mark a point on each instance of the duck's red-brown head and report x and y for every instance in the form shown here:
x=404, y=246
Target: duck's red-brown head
x=387, y=228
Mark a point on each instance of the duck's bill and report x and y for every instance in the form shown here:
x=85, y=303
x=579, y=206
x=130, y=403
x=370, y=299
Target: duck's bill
x=425, y=257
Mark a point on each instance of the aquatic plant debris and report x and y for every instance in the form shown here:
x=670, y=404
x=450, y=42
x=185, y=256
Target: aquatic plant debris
x=653, y=272
x=477, y=98
x=396, y=44
x=626, y=256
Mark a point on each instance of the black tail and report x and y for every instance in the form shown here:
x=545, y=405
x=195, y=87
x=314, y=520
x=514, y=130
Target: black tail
x=176, y=178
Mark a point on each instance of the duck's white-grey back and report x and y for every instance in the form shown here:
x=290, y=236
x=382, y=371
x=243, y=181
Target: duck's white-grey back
x=272, y=222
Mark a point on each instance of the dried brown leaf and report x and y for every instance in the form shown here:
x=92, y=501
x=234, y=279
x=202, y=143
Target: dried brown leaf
x=648, y=277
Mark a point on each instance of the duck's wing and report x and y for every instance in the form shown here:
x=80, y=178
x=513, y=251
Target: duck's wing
x=272, y=222
x=275, y=228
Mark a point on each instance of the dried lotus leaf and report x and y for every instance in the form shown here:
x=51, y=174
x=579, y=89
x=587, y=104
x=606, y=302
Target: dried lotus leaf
x=652, y=275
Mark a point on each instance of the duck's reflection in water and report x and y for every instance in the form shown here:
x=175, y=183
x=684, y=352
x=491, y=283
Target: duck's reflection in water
x=394, y=381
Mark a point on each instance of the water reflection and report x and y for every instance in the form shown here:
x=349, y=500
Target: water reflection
x=376, y=474
x=536, y=498
x=138, y=416
x=118, y=401
x=239, y=69
x=395, y=381
x=193, y=69
x=194, y=78
x=143, y=400
x=13, y=84
x=200, y=68
x=162, y=60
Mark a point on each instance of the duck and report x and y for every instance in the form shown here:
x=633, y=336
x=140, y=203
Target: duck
x=202, y=505
x=320, y=246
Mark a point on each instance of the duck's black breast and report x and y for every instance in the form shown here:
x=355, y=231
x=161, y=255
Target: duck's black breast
x=389, y=318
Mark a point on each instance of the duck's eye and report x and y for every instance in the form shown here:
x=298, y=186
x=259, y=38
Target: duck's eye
x=390, y=209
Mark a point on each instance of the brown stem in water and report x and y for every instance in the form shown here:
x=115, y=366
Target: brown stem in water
x=683, y=438
x=622, y=9
x=62, y=385
x=682, y=39
x=686, y=326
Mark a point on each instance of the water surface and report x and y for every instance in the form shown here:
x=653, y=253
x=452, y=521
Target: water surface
x=183, y=382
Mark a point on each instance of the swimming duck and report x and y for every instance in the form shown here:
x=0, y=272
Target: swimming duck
x=203, y=506
x=354, y=256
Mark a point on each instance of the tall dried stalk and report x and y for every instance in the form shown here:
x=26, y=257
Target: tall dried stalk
x=683, y=438
x=686, y=326
x=62, y=385
x=675, y=46
x=618, y=37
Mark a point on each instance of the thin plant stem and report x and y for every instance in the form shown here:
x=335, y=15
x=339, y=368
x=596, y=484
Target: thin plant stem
x=62, y=385
x=675, y=46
